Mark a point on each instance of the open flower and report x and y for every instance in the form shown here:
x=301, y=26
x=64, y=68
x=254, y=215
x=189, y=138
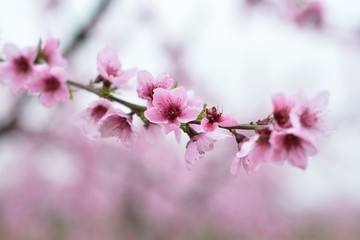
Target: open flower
x=117, y=124
x=110, y=70
x=51, y=53
x=147, y=84
x=18, y=67
x=50, y=83
x=292, y=145
x=282, y=109
x=253, y=152
x=171, y=108
x=90, y=117
x=213, y=119
x=309, y=115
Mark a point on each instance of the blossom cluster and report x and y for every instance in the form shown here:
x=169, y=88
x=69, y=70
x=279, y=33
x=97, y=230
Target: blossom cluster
x=287, y=134
x=38, y=69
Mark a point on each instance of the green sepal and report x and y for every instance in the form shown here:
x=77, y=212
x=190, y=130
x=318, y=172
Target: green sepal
x=185, y=128
x=40, y=56
x=143, y=118
x=176, y=84
x=71, y=92
x=106, y=92
x=202, y=113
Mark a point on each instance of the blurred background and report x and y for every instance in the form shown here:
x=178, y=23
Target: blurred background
x=57, y=184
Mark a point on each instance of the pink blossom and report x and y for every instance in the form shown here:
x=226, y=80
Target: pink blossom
x=213, y=119
x=282, y=108
x=253, y=152
x=117, y=124
x=311, y=15
x=50, y=83
x=171, y=107
x=147, y=84
x=18, y=66
x=91, y=116
x=308, y=114
x=293, y=146
x=197, y=146
x=110, y=69
x=51, y=53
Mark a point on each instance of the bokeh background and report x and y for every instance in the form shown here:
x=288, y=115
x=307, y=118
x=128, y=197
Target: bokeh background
x=57, y=184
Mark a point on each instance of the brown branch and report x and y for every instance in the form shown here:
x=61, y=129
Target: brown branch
x=134, y=107
x=140, y=109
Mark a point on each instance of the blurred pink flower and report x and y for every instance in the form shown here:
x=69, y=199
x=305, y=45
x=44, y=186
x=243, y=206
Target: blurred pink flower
x=117, y=124
x=213, y=119
x=253, y=152
x=197, y=146
x=18, y=66
x=308, y=114
x=282, y=108
x=52, y=53
x=110, y=70
x=147, y=84
x=91, y=116
x=50, y=83
x=292, y=145
x=312, y=15
x=171, y=107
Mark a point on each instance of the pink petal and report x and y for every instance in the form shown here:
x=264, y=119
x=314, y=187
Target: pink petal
x=154, y=115
x=191, y=152
x=11, y=51
x=298, y=158
x=161, y=98
x=228, y=121
x=234, y=166
x=247, y=146
x=124, y=77
x=173, y=126
x=189, y=114
x=164, y=81
x=207, y=126
x=320, y=101
x=178, y=95
x=47, y=99
x=205, y=143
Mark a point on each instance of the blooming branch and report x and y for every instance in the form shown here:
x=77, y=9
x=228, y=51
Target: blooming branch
x=288, y=133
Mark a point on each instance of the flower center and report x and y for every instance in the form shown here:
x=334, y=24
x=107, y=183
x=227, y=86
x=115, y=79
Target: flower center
x=122, y=122
x=172, y=112
x=312, y=16
x=22, y=65
x=212, y=115
x=282, y=116
x=98, y=112
x=264, y=136
x=307, y=119
x=291, y=142
x=112, y=71
x=51, y=84
x=150, y=91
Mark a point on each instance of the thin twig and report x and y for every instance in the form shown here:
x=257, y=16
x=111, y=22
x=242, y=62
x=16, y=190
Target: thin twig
x=134, y=107
x=138, y=109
